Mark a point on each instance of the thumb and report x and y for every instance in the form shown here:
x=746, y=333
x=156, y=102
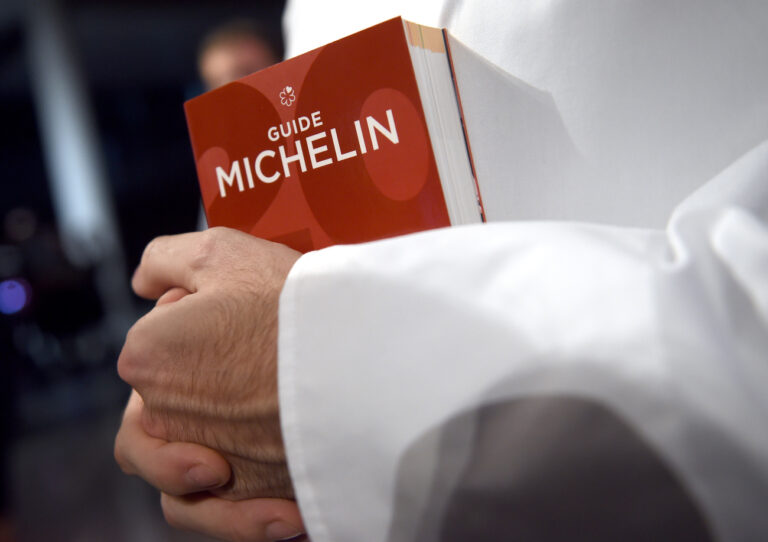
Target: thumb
x=252, y=520
x=178, y=468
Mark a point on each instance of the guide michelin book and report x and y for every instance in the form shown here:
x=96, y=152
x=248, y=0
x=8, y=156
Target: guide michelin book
x=359, y=140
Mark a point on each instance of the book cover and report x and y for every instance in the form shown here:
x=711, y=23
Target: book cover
x=329, y=147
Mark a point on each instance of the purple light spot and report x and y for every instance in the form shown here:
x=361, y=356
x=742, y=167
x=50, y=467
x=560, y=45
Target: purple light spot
x=13, y=296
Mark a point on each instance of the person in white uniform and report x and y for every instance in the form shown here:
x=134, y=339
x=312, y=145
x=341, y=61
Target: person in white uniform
x=592, y=367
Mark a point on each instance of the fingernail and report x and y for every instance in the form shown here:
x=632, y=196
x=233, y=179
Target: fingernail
x=204, y=477
x=277, y=530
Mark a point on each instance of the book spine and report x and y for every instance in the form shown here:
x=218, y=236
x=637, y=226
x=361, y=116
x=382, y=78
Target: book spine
x=457, y=92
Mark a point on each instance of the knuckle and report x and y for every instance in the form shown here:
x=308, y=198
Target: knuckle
x=136, y=350
x=152, y=247
x=217, y=232
x=120, y=456
x=206, y=249
x=214, y=248
x=129, y=357
x=152, y=424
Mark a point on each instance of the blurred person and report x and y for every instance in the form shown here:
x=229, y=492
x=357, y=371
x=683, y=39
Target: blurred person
x=234, y=50
x=547, y=380
x=231, y=51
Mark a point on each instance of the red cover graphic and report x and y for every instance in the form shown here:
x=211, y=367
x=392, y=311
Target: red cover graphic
x=329, y=147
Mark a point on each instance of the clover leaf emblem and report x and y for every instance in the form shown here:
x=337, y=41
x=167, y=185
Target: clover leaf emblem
x=287, y=96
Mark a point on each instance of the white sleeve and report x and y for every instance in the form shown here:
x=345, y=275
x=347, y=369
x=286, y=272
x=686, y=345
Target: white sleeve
x=535, y=379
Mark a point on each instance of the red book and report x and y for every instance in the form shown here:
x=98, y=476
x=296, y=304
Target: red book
x=358, y=140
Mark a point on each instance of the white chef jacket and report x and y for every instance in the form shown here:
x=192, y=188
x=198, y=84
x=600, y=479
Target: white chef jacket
x=595, y=366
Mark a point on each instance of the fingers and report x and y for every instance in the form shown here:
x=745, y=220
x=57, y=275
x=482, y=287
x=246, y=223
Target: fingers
x=171, y=467
x=253, y=520
x=177, y=468
x=171, y=296
x=192, y=260
x=168, y=262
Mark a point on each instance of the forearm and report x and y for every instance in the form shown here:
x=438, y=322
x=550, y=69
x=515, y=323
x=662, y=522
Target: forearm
x=400, y=339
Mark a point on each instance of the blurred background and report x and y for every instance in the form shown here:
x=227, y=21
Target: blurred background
x=94, y=163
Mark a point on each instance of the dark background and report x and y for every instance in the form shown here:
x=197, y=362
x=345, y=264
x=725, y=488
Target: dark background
x=59, y=392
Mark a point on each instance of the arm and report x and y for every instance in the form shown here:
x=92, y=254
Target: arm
x=200, y=380
x=406, y=365
x=473, y=372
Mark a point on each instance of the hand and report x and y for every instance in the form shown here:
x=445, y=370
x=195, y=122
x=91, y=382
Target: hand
x=183, y=471
x=204, y=360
